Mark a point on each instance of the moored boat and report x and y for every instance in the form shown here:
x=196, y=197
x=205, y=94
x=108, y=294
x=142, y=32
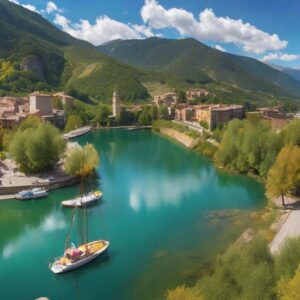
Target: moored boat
x=85, y=200
x=76, y=257
x=32, y=194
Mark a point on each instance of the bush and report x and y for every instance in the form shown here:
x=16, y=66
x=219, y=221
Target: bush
x=37, y=149
x=73, y=122
x=184, y=293
x=206, y=148
x=243, y=272
x=287, y=261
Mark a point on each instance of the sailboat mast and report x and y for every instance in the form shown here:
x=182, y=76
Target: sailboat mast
x=85, y=214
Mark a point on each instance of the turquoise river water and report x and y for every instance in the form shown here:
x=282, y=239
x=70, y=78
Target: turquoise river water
x=166, y=211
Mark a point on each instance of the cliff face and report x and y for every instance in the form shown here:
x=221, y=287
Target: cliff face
x=33, y=64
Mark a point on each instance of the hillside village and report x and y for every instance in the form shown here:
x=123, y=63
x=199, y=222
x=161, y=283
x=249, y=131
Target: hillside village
x=13, y=110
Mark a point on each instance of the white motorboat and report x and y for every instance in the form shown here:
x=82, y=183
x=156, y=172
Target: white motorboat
x=76, y=257
x=85, y=200
x=32, y=194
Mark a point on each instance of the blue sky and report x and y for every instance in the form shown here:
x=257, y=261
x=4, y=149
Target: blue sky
x=267, y=29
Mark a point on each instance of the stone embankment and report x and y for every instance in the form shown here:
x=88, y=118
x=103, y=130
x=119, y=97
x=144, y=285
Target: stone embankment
x=184, y=139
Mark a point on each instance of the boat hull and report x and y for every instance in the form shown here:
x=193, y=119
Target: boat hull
x=41, y=195
x=58, y=269
x=84, y=202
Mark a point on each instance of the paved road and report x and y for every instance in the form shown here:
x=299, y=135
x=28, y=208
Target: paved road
x=198, y=128
x=291, y=228
x=190, y=125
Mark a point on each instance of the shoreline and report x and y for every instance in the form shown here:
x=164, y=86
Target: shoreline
x=276, y=227
x=179, y=138
x=10, y=191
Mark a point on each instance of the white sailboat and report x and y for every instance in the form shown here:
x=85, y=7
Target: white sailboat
x=76, y=257
x=85, y=200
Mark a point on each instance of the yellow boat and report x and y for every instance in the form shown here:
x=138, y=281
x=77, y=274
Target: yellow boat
x=76, y=257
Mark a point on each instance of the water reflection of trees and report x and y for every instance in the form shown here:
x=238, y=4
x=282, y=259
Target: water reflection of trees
x=143, y=150
x=253, y=189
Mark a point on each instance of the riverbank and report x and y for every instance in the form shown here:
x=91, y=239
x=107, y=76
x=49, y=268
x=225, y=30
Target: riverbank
x=14, y=181
x=182, y=138
x=283, y=226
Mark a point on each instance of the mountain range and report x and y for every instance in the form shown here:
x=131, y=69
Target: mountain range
x=34, y=54
x=295, y=73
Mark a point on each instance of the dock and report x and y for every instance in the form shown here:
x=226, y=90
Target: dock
x=77, y=132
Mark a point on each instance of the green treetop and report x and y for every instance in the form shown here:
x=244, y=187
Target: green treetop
x=285, y=173
x=73, y=122
x=37, y=149
x=81, y=161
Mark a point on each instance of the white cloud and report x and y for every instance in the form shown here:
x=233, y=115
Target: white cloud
x=211, y=28
x=52, y=7
x=220, y=48
x=27, y=6
x=30, y=7
x=104, y=29
x=280, y=56
x=146, y=31
x=61, y=21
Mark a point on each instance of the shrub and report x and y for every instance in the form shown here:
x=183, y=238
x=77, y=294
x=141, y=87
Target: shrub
x=37, y=149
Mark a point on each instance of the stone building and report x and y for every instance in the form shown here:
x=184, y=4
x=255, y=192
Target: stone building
x=211, y=115
x=167, y=99
x=40, y=104
x=116, y=104
x=196, y=93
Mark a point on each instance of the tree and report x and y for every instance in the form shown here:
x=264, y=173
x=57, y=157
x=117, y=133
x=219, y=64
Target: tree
x=102, y=114
x=81, y=161
x=154, y=112
x=181, y=97
x=289, y=289
x=37, y=149
x=30, y=122
x=291, y=133
x=248, y=146
x=57, y=103
x=163, y=112
x=125, y=117
x=73, y=123
x=285, y=173
x=145, y=117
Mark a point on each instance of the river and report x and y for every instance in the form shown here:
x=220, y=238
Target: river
x=166, y=211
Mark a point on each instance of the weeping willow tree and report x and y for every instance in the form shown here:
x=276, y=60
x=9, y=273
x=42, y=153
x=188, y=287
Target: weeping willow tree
x=82, y=161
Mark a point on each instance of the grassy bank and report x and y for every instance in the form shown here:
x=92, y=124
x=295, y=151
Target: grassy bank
x=200, y=145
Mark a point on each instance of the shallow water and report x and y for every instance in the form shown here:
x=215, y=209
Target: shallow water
x=166, y=212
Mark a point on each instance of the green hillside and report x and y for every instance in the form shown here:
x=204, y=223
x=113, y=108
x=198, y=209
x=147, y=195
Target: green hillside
x=35, y=55
x=198, y=63
x=57, y=60
x=295, y=73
